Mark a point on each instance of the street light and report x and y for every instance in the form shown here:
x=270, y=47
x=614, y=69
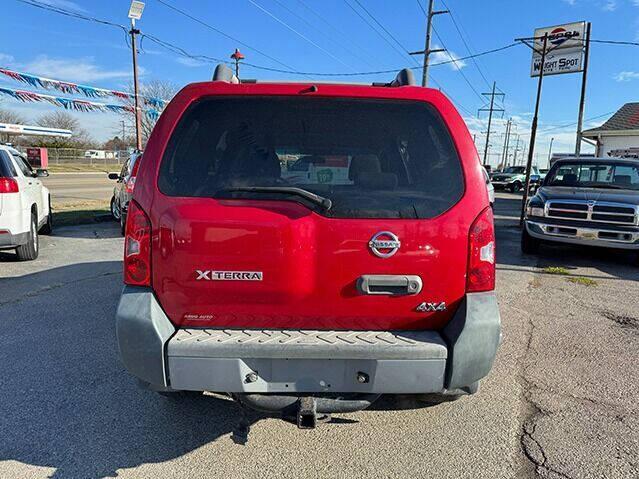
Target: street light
x=135, y=13
x=136, y=9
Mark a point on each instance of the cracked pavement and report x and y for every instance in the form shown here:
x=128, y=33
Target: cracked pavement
x=561, y=401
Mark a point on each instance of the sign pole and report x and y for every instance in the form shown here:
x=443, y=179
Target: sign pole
x=533, y=131
x=582, y=101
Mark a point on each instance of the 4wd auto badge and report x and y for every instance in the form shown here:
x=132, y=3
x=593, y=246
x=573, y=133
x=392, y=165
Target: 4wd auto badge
x=384, y=244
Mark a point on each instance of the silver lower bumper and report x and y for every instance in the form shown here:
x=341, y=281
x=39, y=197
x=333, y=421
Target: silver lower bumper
x=285, y=361
x=282, y=361
x=602, y=237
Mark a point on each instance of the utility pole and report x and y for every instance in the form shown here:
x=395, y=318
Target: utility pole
x=533, y=130
x=516, y=150
x=135, y=13
x=582, y=101
x=552, y=140
x=124, y=142
x=490, y=111
x=427, y=51
x=504, y=155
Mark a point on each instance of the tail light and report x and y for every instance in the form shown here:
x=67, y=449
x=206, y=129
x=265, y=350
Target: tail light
x=137, y=247
x=130, y=184
x=8, y=185
x=481, y=254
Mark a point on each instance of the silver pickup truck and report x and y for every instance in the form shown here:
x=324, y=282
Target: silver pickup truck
x=589, y=201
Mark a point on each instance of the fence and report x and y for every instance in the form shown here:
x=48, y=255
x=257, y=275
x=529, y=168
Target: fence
x=93, y=158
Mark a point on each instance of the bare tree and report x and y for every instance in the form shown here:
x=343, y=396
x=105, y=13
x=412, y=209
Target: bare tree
x=9, y=116
x=14, y=118
x=80, y=138
x=153, y=89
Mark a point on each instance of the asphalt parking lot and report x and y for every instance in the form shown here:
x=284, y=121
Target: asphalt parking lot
x=73, y=187
x=561, y=401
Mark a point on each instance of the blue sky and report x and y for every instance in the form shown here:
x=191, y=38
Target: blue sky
x=329, y=36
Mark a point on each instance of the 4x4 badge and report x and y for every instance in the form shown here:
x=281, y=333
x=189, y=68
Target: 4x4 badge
x=430, y=307
x=384, y=244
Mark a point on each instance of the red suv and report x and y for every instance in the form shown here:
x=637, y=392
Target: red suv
x=308, y=247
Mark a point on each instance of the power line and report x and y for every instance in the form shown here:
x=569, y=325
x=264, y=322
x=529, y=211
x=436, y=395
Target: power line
x=200, y=57
x=468, y=49
x=282, y=22
x=457, y=67
x=373, y=28
x=322, y=32
x=616, y=42
x=335, y=29
x=558, y=127
x=224, y=34
x=459, y=105
x=450, y=55
x=405, y=50
x=385, y=29
x=46, y=6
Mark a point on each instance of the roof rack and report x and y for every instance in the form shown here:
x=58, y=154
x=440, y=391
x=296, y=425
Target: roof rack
x=405, y=77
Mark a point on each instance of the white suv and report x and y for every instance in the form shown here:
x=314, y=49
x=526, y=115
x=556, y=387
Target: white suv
x=25, y=204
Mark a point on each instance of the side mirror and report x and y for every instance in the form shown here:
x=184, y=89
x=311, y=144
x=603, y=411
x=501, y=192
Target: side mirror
x=114, y=176
x=41, y=173
x=535, y=178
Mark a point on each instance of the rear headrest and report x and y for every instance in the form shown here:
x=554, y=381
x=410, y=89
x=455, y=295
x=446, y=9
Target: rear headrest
x=363, y=164
x=569, y=179
x=622, y=180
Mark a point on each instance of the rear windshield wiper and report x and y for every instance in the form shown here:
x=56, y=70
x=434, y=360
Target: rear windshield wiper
x=290, y=190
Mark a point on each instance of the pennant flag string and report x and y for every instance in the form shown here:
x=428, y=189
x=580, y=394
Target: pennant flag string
x=71, y=88
x=71, y=104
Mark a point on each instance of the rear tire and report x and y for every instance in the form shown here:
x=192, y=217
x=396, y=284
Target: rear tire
x=47, y=229
x=529, y=245
x=30, y=250
x=122, y=224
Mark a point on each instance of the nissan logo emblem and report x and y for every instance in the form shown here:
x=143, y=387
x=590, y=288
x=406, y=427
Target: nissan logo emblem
x=384, y=244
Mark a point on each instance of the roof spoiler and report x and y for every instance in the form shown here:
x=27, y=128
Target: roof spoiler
x=405, y=77
x=224, y=73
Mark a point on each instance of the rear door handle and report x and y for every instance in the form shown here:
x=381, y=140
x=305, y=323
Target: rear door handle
x=389, y=284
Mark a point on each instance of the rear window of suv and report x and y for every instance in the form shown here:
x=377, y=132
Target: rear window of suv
x=371, y=158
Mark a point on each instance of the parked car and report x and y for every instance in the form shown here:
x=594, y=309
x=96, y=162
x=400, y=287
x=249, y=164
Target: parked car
x=585, y=201
x=123, y=189
x=316, y=297
x=490, y=188
x=25, y=205
x=513, y=178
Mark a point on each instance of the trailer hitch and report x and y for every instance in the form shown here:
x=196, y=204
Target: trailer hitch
x=307, y=413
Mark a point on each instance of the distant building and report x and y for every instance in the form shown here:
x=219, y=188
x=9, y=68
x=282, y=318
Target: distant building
x=619, y=136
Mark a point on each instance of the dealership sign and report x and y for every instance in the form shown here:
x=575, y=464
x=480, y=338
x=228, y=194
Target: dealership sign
x=564, y=49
